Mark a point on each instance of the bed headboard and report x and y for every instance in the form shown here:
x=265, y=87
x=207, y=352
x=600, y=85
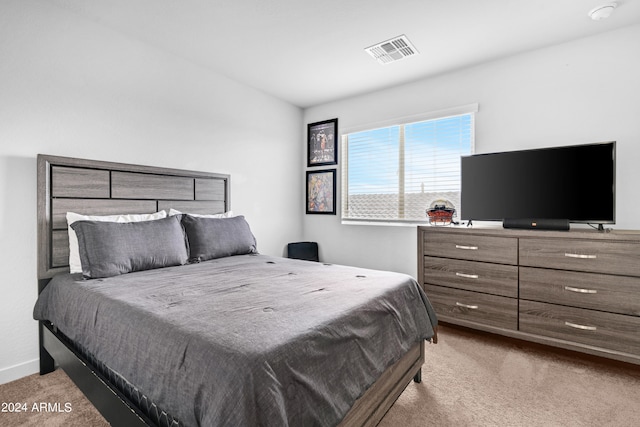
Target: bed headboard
x=92, y=187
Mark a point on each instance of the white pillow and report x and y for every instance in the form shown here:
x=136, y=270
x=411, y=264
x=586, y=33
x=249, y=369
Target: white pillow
x=74, y=252
x=228, y=214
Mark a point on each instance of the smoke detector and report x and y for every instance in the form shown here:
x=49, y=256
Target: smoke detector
x=602, y=12
x=392, y=50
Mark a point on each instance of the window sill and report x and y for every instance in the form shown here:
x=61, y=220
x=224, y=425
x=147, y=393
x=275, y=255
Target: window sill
x=386, y=223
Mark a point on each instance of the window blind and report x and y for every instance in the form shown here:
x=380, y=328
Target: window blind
x=395, y=173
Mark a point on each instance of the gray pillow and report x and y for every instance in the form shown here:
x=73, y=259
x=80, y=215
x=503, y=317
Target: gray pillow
x=211, y=238
x=110, y=248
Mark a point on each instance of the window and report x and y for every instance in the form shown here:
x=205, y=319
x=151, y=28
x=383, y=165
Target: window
x=395, y=173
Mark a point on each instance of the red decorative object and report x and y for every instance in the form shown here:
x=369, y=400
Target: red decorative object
x=441, y=212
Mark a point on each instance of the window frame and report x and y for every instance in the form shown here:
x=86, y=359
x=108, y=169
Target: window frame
x=469, y=109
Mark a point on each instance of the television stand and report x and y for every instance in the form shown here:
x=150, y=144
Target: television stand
x=576, y=290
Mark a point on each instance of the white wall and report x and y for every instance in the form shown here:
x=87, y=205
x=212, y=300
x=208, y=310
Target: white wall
x=72, y=87
x=584, y=91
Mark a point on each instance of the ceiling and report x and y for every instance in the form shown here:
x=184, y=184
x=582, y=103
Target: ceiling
x=308, y=52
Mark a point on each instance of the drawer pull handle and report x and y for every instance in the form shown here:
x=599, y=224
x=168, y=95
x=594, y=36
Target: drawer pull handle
x=583, y=327
x=580, y=290
x=580, y=256
x=468, y=248
x=467, y=276
x=472, y=307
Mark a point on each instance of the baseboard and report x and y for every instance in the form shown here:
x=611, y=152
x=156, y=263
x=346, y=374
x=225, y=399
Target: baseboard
x=21, y=370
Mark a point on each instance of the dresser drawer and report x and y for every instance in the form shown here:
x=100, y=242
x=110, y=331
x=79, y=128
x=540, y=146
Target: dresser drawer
x=476, y=276
x=475, y=307
x=598, y=256
x=616, y=294
x=594, y=328
x=503, y=250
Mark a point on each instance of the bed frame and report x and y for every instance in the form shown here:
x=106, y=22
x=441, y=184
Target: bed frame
x=93, y=187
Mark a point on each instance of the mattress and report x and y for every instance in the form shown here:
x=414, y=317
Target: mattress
x=245, y=340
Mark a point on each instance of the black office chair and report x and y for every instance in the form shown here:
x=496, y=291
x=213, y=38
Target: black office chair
x=303, y=250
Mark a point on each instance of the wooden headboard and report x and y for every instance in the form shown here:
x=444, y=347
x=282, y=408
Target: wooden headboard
x=92, y=187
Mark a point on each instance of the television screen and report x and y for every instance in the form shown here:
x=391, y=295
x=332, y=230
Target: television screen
x=575, y=183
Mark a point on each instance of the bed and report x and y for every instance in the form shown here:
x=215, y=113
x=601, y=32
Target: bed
x=212, y=336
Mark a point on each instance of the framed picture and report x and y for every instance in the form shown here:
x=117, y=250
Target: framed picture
x=322, y=143
x=321, y=192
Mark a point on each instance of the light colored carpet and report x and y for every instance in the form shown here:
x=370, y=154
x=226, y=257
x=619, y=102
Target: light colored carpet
x=469, y=379
x=477, y=379
x=63, y=404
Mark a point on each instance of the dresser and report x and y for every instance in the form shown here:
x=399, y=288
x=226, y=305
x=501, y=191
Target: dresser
x=578, y=289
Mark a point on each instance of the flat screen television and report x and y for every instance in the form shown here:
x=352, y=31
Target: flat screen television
x=570, y=183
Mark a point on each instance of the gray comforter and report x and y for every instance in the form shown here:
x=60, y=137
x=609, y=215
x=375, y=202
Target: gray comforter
x=245, y=340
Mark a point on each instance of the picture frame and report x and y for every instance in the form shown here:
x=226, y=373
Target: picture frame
x=322, y=143
x=321, y=192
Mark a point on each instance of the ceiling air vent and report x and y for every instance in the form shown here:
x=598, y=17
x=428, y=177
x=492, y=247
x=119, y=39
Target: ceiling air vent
x=392, y=50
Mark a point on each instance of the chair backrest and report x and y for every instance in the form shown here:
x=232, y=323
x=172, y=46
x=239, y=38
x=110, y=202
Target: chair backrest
x=303, y=250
